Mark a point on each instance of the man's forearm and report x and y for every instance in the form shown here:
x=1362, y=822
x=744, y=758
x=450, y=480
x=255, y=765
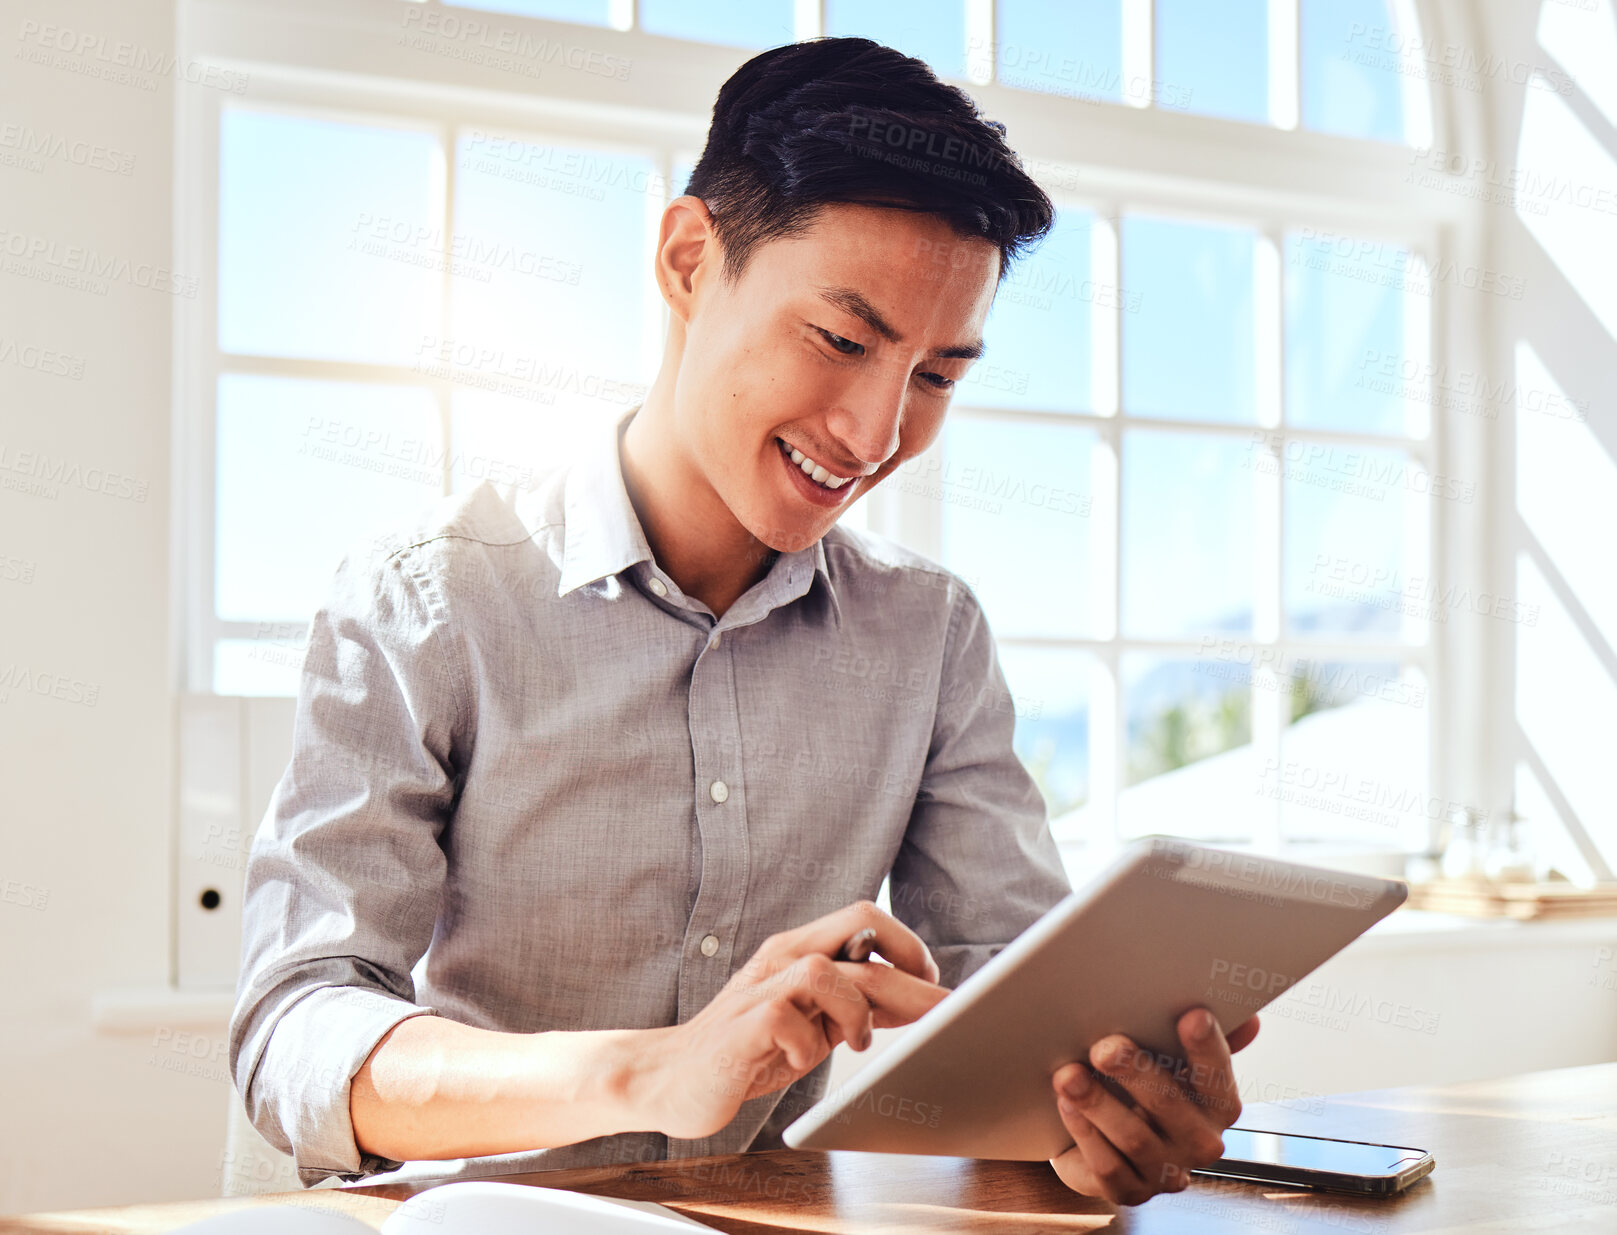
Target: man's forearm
x=435, y=1088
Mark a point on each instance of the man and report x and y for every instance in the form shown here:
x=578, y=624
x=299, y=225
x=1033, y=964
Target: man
x=591, y=780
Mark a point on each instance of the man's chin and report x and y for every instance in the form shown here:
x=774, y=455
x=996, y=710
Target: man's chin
x=786, y=540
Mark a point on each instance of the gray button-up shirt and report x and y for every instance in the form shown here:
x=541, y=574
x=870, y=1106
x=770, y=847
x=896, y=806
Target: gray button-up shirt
x=535, y=786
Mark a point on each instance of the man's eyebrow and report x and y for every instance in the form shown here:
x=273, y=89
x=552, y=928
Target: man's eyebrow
x=851, y=300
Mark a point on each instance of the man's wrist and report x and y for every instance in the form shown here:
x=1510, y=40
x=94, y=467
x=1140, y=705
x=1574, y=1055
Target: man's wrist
x=613, y=1076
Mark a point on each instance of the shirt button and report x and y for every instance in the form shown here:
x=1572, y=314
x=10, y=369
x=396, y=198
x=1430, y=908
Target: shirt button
x=657, y=586
x=710, y=945
x=719, y=790
x=712, y=643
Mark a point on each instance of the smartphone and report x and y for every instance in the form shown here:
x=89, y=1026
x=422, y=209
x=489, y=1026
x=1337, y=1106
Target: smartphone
x=1319, y=1162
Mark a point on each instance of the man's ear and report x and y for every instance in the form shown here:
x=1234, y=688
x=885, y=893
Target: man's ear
x=687, y=250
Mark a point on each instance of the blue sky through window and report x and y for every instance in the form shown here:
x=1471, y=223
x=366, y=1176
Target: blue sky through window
x=1214, y=57
x=930, y=30
x=1067, y=47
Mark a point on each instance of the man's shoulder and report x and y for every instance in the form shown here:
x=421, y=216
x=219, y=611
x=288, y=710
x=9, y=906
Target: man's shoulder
x=489, y=527
x=871, y=565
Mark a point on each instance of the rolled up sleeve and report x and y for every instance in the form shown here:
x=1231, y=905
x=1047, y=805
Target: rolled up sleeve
x=346, y=870
x=978, y=864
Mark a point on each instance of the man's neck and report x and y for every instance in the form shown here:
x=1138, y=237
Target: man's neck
x=693, y=535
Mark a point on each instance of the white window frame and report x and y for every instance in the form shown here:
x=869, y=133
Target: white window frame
x=338, y=57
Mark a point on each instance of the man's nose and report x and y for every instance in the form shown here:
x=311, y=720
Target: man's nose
x=867, y=417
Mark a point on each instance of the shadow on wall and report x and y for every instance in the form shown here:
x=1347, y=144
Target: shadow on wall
x=1557, y=233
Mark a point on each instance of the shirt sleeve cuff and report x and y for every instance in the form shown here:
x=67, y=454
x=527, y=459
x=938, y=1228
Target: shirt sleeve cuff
x=304, y=1077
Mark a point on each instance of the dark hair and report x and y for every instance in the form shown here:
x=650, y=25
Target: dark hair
x=849, y=120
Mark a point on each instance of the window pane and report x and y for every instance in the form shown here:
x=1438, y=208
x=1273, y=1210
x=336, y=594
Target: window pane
x=267, y=666
x=1050, y=687
x=1353, y=761
x=1189, y=729
x=585, y=12
x=1037, y=337
x=510, y=438
x=735, y=23
x=1351, y=82
x=1016, y=500
x=565, y=268
x=930, y=30
x=330, y=238
x=1346, y=355
x=305, y=468
x=1189, y=349
x=1215, y=57
x=1349, y=570
x=1067, y=47
x=1187, y=535
x=682, y=169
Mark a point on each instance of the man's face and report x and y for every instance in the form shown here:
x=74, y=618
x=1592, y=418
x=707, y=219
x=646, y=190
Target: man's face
x=791, y=360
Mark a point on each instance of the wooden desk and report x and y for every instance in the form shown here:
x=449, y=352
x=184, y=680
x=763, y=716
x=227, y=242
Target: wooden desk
x=1516, y=1154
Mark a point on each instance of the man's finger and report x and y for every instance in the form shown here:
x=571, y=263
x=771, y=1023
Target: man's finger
x=1093, y=1165
x=895, y=942
x=1211, y=1075
x=1241, y=1036
x=817, y=984
x=896, y=997
x=1157, y=1086
x=1126, y=1129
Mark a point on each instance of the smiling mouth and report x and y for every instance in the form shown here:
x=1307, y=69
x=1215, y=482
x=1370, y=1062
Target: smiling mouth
x=816, y=472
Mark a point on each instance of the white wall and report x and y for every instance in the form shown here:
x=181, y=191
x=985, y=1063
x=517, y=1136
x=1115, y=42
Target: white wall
x=95, y=1117
x=87, y=785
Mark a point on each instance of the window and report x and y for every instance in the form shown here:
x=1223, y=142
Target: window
x=1195, y=480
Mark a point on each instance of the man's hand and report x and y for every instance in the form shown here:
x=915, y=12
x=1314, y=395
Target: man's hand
x=781, y=1014
x=1128, y=1154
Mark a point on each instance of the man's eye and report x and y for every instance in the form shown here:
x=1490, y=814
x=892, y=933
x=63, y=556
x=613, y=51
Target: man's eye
x=846, y=346
x=938, y=381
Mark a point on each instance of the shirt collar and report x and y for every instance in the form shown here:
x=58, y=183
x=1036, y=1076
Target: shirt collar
x=603, y=536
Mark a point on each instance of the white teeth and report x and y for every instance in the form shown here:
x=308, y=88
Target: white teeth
x=819, y=473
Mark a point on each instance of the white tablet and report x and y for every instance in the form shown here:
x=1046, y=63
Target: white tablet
x=1167, y=927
